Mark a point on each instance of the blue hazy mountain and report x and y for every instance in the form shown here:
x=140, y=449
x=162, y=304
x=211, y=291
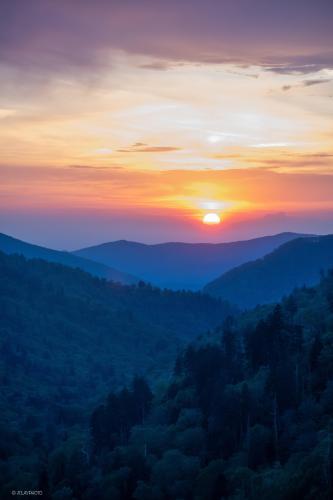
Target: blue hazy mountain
x=181, y=265
x=11, y=245
x=294, y=264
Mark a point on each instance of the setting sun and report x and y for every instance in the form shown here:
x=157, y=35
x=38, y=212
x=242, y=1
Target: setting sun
x=211, y=218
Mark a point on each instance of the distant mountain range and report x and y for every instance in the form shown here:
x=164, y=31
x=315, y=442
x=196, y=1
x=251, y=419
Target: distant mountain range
x=182, y=265
x=294, y=264
x=11, y=245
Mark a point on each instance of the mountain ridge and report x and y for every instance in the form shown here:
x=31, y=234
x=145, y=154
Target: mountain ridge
x=294, y=264
x=179, y=265
x=200, y=244
x=11, y=245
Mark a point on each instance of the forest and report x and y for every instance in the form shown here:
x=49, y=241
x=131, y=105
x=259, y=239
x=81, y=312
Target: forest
x=246, y=412
x=67, y=339
x=246, y=416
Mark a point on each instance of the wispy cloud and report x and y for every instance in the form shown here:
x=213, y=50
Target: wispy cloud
x=299, y=64
x=270, y=145
x=307, y=83
x=161, y=65
x=96, y=167
x=316, y=163
x=276, y=160
x=140, y=147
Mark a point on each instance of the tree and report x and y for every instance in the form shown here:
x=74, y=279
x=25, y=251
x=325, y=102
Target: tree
x=143, y=397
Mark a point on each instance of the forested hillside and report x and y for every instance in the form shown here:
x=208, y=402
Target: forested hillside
x=247, y=417
x=67, y=339
x=294, y=264
x=247, y=414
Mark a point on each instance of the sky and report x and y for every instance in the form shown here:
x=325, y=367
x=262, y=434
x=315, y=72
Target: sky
x=133, y=119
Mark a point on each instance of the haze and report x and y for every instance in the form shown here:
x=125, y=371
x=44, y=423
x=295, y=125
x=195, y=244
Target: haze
x=123, y=120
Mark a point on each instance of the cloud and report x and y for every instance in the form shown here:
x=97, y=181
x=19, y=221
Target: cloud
x=300, y=69
x=307, y=83
x=270, y=145
x=318, y=155
x=161, y=65
x=284, y=36
x=282, y=160
x=156, y=65
x=140, y=147
x=316, y=163
x=300, y=64
x=96, y=167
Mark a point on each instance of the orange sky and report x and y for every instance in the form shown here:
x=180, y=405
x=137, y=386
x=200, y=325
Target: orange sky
x=148, y=133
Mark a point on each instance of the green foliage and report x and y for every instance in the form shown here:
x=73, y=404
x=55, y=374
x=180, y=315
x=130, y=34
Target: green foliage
x=66, y=340
x=246, y=416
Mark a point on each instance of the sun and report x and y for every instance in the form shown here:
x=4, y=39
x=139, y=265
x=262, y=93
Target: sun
x=211, y=219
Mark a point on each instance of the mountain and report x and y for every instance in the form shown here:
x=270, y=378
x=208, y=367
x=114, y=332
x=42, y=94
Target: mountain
x=294, y=264
x=11, y=245
x=81, y=320
x=67, y=337
x=246, y=414
x=181, y=265
x=248, y=417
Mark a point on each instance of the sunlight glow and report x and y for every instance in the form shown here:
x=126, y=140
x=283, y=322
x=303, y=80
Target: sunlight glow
x=211, y=218
x=214, y=139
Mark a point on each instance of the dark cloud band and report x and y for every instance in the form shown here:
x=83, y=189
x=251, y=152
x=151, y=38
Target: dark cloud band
x=53, y=35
